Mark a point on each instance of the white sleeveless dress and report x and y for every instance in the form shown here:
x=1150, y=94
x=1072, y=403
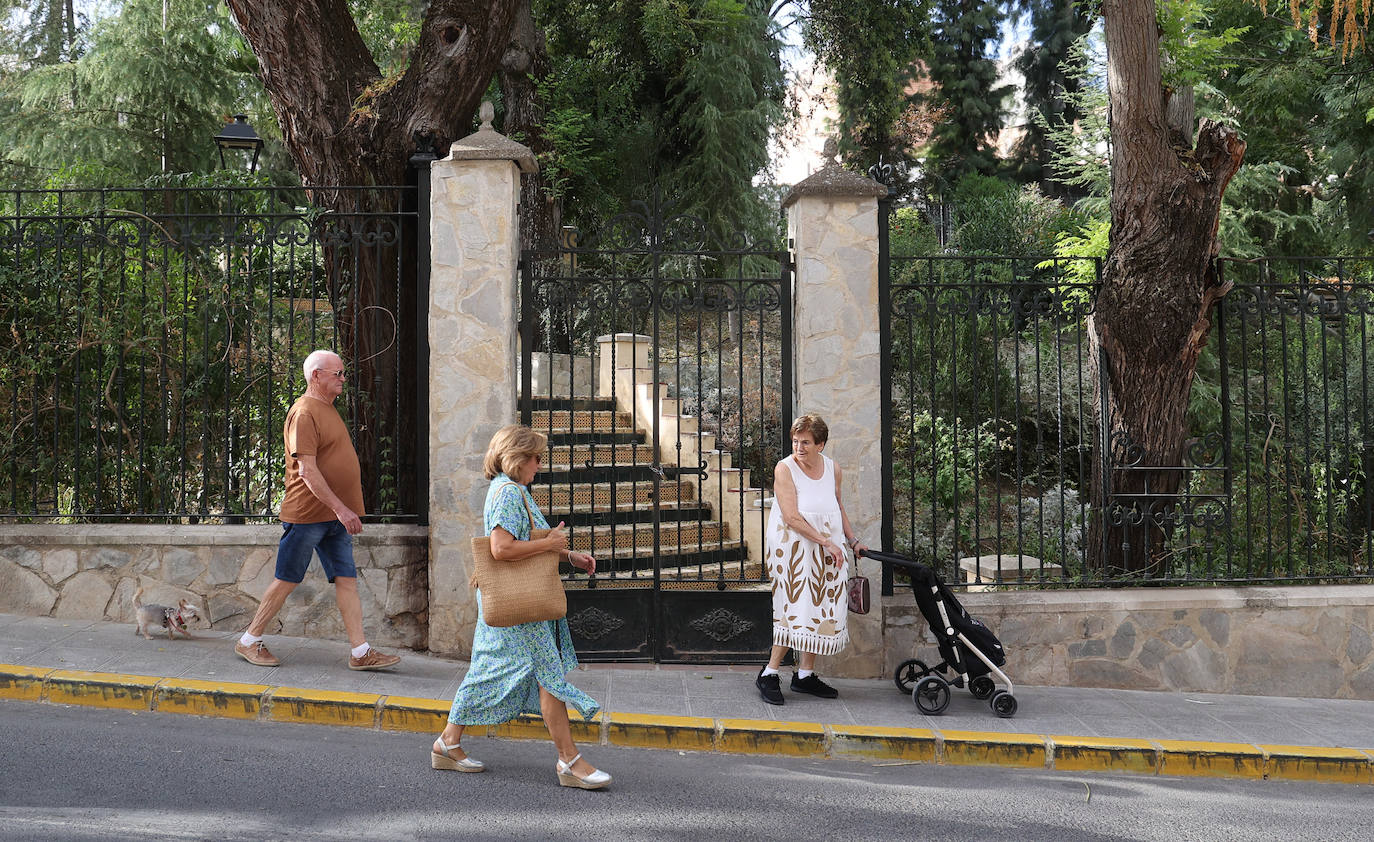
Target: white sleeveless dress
x=810, y=607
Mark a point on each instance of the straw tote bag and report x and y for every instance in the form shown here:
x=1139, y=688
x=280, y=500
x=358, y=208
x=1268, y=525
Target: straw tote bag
x=522, y=591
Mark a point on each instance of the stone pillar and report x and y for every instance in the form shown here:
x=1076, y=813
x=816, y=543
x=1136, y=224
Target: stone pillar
x=832, y=221
x=473, y=364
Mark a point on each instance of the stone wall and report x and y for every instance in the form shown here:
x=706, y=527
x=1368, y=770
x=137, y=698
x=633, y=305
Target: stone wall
x=90, y=572
x=1303, y=641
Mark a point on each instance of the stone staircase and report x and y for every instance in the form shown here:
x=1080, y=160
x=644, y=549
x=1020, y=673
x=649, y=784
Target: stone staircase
x=599, y=479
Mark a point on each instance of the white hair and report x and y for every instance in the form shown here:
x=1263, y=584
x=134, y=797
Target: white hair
x=315, y=362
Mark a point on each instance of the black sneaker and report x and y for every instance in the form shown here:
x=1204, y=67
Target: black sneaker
x=814, y=686
x=770, y=688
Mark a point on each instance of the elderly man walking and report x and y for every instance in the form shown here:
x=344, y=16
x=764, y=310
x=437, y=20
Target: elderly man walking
x=320, y=514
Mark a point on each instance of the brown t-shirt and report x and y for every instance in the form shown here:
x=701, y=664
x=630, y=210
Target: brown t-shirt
x=314, y=428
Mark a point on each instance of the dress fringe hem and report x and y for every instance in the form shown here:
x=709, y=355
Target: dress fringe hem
x=810, y=642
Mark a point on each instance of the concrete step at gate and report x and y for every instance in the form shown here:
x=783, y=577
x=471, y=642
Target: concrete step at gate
x=563, y=421
x=736, y=576
x=596, y=540
x=601, y=496
x=684, y=556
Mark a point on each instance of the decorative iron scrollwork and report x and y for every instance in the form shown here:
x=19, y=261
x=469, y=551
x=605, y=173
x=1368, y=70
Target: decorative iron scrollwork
x=593, y=624
x=722, y=625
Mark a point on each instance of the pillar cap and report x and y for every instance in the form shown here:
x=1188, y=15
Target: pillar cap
x=487, y=144
x=833, y=180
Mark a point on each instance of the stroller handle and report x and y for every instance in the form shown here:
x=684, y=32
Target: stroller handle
x=892, y=558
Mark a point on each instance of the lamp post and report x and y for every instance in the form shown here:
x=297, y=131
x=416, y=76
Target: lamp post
x=238, y=136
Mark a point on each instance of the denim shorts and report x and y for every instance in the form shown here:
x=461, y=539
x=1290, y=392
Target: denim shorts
x=299, y=541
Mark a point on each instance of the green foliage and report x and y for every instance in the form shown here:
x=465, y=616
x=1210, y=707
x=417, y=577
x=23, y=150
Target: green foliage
x=1194, y=52
x=995, y=217
x=870, y=48
x=677, y=96
x=1052, y=70
x=911, y=235
x=971, y=104
x=144, y=97
x=390, y=29
x=1076, y=139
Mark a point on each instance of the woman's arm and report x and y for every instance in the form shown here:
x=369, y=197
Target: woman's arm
x=506, y=547
x=849, y=534
x=785, y=498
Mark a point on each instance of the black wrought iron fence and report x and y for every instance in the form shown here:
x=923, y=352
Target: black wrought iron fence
x=154, y=340
x=689, y=339
x=993, y=427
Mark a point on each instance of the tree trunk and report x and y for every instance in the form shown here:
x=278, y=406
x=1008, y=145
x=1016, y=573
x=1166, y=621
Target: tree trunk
x=1158, y=288
x=524, y=64
x=345, y=126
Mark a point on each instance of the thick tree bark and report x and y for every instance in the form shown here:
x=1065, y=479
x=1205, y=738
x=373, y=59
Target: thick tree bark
x=524, y=64
x=346, y=126
x=1158, y=289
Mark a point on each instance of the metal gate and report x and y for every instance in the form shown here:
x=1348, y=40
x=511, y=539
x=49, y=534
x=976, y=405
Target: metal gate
x=657, y=360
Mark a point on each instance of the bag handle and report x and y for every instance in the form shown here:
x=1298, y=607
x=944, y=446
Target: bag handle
x=525, y=500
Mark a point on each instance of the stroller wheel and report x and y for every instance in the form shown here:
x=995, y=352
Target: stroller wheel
x=931, y=695
x=908, y=673
x=982, y=687
x=1003, y=704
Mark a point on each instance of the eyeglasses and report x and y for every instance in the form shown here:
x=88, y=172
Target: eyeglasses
x=340, y=373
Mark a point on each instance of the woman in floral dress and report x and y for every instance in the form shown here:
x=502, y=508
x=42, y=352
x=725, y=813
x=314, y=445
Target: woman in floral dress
x=524, y=668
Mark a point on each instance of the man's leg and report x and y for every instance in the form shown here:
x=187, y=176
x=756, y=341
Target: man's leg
x=272, y=601
x=294, y=550
x=350, y=608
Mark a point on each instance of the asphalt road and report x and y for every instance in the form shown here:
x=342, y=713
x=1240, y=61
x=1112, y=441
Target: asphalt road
x=69, y=773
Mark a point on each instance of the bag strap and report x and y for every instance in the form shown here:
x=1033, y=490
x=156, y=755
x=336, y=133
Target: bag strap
x=523, y=499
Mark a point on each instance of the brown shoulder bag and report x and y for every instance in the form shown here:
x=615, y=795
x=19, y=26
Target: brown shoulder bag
x=523, y=591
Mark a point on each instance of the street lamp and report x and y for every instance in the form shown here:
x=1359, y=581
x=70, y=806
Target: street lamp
x=238, y=135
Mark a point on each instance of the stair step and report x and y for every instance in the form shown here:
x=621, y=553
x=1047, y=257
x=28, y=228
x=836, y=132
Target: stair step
x=558, y=438
x=598, y=496
x=620, y=474
x=622, y=560
x=582, y=421
x=599, y=455
x=670, y=536
x=737, y=576
x=544, y=403
x=642, y=513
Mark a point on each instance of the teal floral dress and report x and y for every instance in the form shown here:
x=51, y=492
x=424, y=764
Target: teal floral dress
x=510, y=664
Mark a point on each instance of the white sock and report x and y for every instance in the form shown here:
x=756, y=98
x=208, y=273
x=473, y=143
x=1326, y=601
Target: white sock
x=768, y=671
x=360, y=650
x=805, y=673
x=249, y=639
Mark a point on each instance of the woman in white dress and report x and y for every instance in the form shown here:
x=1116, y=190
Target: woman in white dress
x=810, y=545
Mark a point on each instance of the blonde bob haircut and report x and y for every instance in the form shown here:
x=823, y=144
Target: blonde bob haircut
x=511, y=445
x=813, y=424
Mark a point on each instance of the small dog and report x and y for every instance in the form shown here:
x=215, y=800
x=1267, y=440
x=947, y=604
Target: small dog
x=172, y=619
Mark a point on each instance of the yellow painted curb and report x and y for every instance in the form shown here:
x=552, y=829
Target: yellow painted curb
x=210, y=698
x=100, y=689
x=763, y=736
x=23, y=684
x=408, y=713
x=1317, y=763
x=685, y=733
x=992, y=748
x=881, y=742
x=529, y=727
x=1104, y=754
x=1219, y=760
x=323, y=707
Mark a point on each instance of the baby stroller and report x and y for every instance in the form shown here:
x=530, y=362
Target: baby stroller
x=969, y=649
